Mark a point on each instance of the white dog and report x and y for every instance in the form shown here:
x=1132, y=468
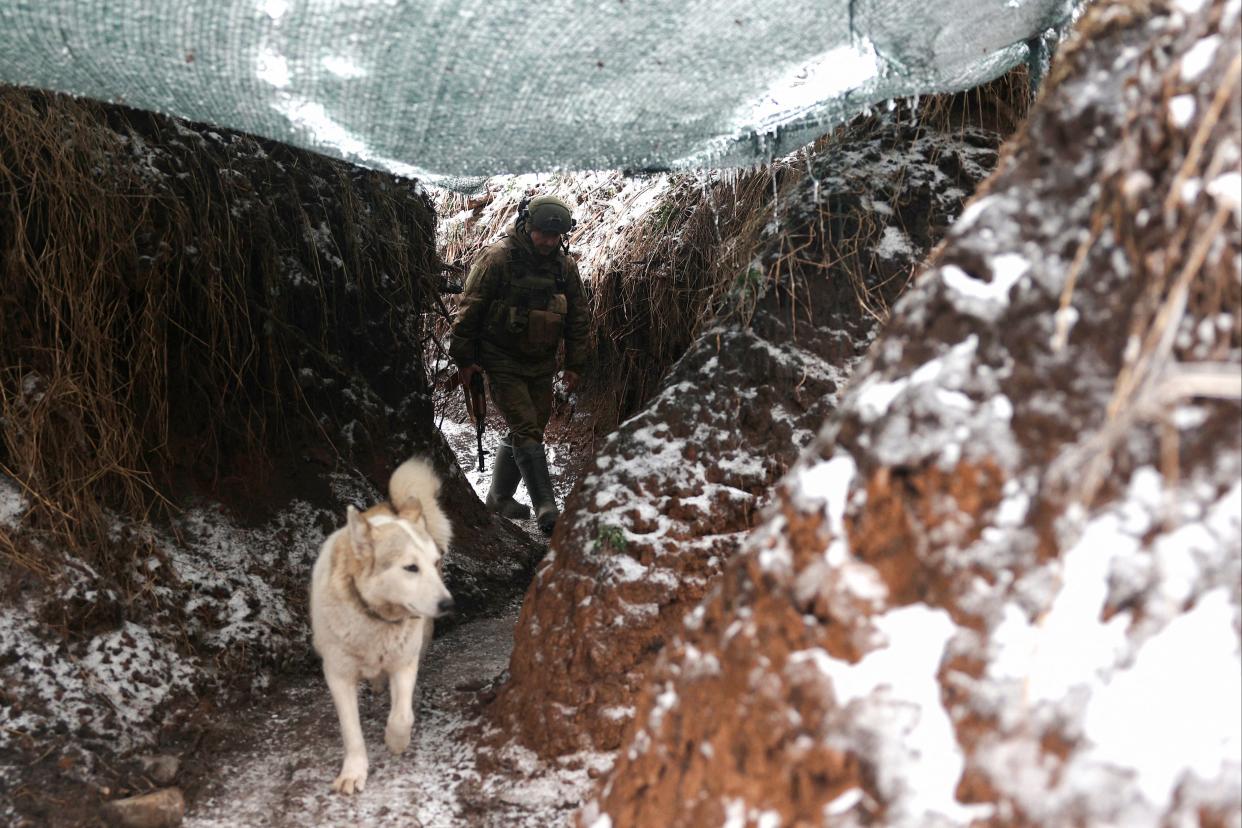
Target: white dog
x=374, y=591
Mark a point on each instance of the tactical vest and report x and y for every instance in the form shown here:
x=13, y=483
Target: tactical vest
x=527, y=314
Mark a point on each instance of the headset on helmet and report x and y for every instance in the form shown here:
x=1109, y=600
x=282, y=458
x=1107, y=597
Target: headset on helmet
x=546, y=213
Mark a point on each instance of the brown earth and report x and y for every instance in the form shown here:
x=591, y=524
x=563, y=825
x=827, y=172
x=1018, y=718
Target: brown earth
x=957, y=477
x=674, y=491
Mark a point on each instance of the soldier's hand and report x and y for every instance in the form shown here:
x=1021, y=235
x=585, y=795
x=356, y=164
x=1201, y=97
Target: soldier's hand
x=571, y=380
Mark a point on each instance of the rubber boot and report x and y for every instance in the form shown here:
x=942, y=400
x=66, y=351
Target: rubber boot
x=505, y=479
x=533, y=464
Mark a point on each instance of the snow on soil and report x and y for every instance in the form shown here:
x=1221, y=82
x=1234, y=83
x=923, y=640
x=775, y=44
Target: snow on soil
x=906, y=670
x=1074, y=663
x=110, y=692
x=437, y=783
x=1127, y=642
x=12, y=504
x=117, y=687
x=113, y=688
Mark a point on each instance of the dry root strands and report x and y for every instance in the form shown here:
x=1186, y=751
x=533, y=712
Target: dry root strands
x=1183, y=246
x=170, y=296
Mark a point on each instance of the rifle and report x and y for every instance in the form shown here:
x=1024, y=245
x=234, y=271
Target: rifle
x=476, y=405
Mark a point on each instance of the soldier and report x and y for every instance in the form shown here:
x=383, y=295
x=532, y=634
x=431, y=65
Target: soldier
x=522, y=297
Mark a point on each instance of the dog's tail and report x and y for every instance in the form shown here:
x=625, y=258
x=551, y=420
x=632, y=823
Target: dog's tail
x=415, y=487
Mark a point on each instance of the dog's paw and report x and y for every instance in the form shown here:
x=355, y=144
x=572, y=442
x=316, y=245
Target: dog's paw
x=353, y=777
x=397, y=735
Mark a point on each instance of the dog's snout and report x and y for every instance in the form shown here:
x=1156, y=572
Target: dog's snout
x=445, y=606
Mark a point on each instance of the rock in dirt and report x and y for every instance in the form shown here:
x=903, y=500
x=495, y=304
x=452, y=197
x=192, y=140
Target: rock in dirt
x=162, y=769
x=161, y=809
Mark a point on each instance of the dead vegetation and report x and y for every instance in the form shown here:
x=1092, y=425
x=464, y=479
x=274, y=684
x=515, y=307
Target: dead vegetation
x=1167, y=208
x=693, y=256
x=693, y=260
x=175, y=300
x=672, y=274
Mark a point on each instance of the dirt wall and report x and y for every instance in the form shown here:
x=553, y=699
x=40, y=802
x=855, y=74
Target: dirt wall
x=674, y=492
x=1002, y=588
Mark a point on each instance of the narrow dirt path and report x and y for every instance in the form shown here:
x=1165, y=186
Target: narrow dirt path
x=274, y=764
x=286, y=754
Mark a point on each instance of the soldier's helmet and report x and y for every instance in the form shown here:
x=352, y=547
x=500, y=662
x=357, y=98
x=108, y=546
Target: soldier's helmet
x=549, y=214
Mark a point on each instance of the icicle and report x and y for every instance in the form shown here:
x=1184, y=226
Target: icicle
x=810, y=173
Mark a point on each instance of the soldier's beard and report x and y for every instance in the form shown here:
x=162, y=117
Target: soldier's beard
x=545, y=244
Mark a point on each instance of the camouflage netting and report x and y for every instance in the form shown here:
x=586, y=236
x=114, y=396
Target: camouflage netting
x=479, y=87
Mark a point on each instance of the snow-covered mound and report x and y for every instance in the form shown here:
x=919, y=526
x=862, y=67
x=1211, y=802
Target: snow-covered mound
x=675, y=490
x=1003, y=586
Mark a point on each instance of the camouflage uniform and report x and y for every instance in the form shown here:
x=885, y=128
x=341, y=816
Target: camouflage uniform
x=511, y=318
x=517, y=306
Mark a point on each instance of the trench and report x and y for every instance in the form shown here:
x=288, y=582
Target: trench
x=273, y=763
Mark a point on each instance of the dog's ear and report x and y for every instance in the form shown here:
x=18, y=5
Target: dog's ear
x=359, y=532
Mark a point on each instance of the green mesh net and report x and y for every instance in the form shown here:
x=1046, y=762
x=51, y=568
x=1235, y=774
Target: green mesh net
x=443, y=89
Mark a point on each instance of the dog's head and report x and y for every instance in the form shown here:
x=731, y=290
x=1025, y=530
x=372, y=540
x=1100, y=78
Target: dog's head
x=395, y=564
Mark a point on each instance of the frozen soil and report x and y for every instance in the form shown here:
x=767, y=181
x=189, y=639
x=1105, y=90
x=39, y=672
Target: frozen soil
x=276, y=729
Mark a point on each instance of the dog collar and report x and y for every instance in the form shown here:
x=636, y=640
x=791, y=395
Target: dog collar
x=366, y=608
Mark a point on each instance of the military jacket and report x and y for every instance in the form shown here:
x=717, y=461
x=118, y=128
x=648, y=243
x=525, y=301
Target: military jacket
x=516, y=308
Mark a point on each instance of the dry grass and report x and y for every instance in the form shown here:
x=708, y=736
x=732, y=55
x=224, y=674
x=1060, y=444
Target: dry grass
x=1182, y=247
x=840, y=243
x=151, y=323
x=671, y=276
x=694, y=258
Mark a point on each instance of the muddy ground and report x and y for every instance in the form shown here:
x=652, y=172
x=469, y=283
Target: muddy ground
x=267, y=756
x=272, y=763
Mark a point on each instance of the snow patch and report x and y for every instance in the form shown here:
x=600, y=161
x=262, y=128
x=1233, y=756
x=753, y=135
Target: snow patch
x=829, y=483
x=275, y=9
x=1227, y=190
x=803, y=87
x=12, y=504
x=894, y=244
x=1192, y=671
x=876, y=396
x=971, y=214
x=1196, y=61
x=1182, y=110
x=343, y=67
x=985, y=300
x=892, y=697
x=272, y=68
